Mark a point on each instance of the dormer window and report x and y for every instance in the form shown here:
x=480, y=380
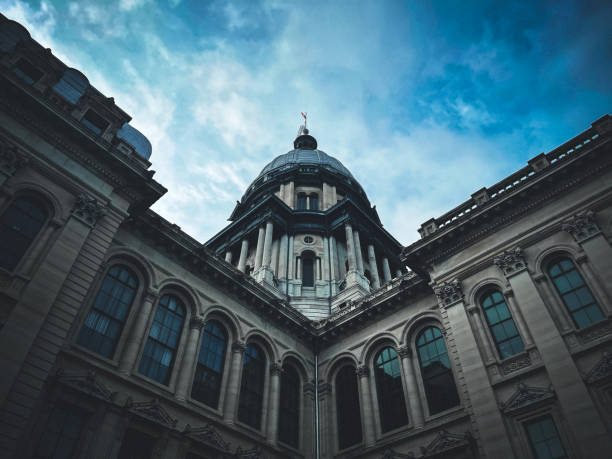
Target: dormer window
x=94, y=122
x=27, y=72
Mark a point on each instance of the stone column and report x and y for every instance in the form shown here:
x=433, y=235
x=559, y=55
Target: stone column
x=282, y=257
x=231, y=398
x=260, y=247
x=369, y=434
x=228, y=256
x=325, y=261
x=386, y=270
x=398, y=273
x=495, y=441
x=137, y=334
x=244, y=252
x=414, y=398
x=333, y=258
x=358, y=254
x=274, y=263
x=299, y=267
x=486, y=345
x=562, y=319
x=183, y=384
x=309, y=421
x=518, y=319
x=291, y=270
x=290, y=190
x=580, y=412
x=350, y=247
x=267, y=248
x=275, y=373
x=373, y=266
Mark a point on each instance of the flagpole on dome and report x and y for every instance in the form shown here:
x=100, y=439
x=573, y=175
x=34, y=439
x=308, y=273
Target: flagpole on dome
x=304, y=141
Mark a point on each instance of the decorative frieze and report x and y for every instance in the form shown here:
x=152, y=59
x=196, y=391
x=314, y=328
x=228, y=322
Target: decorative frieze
x=151, y=410
x=84, y=381
x=88, y=209
x=516, y=363
x=525, y=396
x=208, y=435
x=602, y=369
x=510, y=261
x=581, y=226
x=446, y=441
x=449, y=292
x=595, y=331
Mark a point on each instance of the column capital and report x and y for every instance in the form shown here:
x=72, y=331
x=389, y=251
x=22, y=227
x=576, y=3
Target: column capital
x=581, y=226
x=88, y=209
x=362, y=371
x=10, y=159
x=449, y=293
x=404, y=351
x=275, y=369
x=197, y=323
x=510, y=261
x=238, y=347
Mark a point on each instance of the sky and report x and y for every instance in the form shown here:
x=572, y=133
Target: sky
x=424, y=102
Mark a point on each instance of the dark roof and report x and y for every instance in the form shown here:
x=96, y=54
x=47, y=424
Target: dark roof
x=305, y=157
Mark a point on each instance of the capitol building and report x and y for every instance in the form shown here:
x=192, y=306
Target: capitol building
x=302, y=329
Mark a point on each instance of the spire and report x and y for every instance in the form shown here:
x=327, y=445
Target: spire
x=303, y=141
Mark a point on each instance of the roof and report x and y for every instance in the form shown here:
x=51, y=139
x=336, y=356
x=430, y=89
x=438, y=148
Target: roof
x=305, y=157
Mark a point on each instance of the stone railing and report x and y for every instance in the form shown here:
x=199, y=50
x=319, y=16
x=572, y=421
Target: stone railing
x=599, y=130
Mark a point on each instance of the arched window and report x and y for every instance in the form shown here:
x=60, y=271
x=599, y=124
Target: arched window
x=289, y=415
x=389, y=389
x=160, y=350
x=501, y=324
x=348, y=415
x=19, y=225
x=307, y=269
x=301, y=201
x=209, y=369
x=436, y=371
x=575, y=294
x=314, y=201
x=252, y=386
x=103, y=324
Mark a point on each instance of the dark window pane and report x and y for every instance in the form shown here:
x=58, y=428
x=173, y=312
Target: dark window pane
x=105, y=320
x=62, y=433
x=19, y=225
x=158, y=356
x=348, y=415
x=544, y=439
x=209, y=369
x=301, y=201
x=575, y=294
x=289, y=415
x=314, y=202
x=307, y=272
x=437, y=375
x=252, y=386
x=94, y=122
x=390, y=392
x=501, y=324
x=27, y=72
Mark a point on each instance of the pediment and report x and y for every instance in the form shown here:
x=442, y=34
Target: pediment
x=601, y=370
x=207, y=434
x=153, y=411
x=446, y=441
x=84, y=381
x=526, y=396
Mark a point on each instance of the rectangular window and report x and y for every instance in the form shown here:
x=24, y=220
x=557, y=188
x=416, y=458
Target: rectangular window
x=62, y=432
x=544, y=439
x=27, y=72
x=94, y=122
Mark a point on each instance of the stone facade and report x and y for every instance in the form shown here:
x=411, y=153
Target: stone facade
x=306, y=273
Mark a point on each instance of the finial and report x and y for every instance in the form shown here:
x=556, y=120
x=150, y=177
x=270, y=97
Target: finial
x=304, y=127
x=304, y=141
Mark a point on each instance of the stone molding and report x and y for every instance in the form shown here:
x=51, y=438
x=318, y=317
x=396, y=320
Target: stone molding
x=510, y=261
x=10, y=159
x=404, y=351
x=84, y=381
x=516, y=363
x=207, y=434
x=253, y=453
x=362, y=371
x=197, y=323
x=446, y=441
x=526, y=396
x=449, y=293
x=239, y=346
x=88, y=209
x=152, y=411
x=595, y=331
x=275, y=369
x=581, y=226
x=391, y=454
x=602, y=369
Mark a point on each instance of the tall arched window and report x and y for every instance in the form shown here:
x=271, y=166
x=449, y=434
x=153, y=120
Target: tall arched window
x=389, y=389
x=308, y=269
x=209, y=369
x=160, y=350
x=104, y=322
x=19, y=225
x=348, y=415
x=289, y=415
x=575, y=294
x=252, y=386
x=436, y=371
x=301, y=201
x=501, y=324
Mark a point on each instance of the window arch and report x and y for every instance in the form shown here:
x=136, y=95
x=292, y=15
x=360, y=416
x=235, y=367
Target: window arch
x=20, y=223
x=502, y=326
x=211, y=360
x=289, y=414
x=389, y=390
x=574, y=292
x=160, y=350
x=436, y=372
x=252, y=386
x=308, y=269
x=348, y=415
x=104, y=322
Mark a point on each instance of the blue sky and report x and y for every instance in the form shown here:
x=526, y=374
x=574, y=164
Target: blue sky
x=425, y=102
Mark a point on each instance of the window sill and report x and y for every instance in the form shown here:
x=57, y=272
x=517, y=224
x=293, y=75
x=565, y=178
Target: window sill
x=80, y=351
x=201, y=405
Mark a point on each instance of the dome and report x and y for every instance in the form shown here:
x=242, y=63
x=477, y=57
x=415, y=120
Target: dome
x=137, y=139
x=305, y=157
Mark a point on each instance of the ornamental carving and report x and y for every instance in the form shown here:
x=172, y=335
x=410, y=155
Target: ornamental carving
x=516, y=363
x=449, y=292
x=526, y=396
x=208, y=435
x=595, y=331
x=253, y=453
x=84, y=382
x=152, y=411
x=88, y=209
x=11, y=160
x=404, y=351
x=446, y=441
x=391, y=454
x=238, y=346
x=197, y=323
x=275, y=369
x=362, y=371
x=581, y=226
x=602, y=369
x=510, y=261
